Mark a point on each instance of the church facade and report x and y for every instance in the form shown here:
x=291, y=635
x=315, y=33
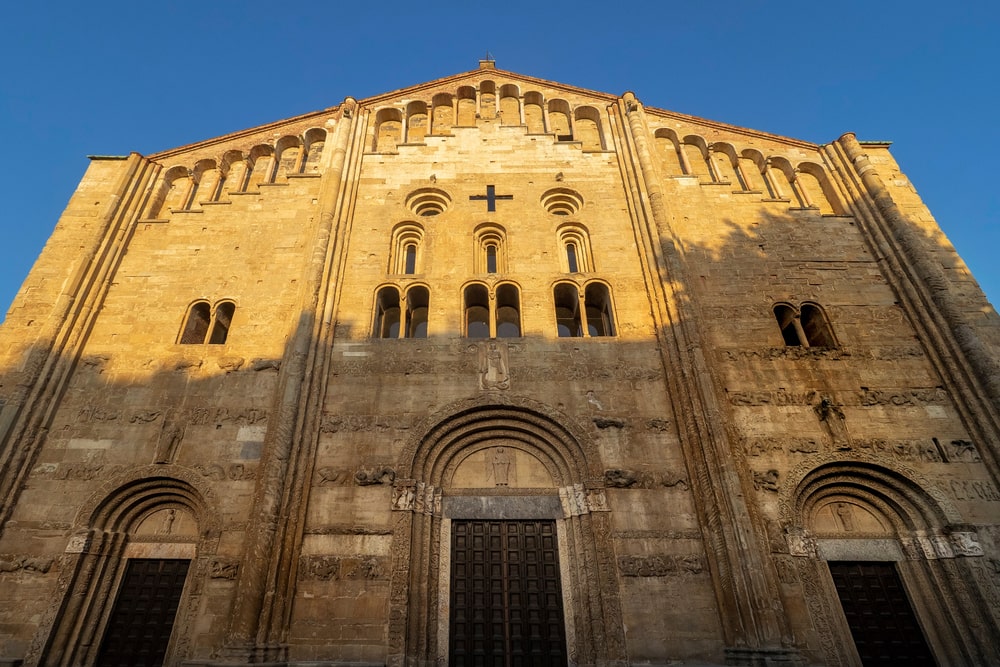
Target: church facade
x=494, y=370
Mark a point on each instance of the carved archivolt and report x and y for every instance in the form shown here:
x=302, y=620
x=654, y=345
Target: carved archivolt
x=500, y=441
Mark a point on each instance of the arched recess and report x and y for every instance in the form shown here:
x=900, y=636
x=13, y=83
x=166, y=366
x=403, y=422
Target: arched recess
x=838, y=512
x=261, y=166
x=534, y=116
x=587, y=128
x=173, y=192
x=442, y=114
x=466, y=106
x=206, y=183
x=288, y=150
x=388, y=130
x=667, y=146
x=234, y=172
x=440, y=480
x=510, y=105
x=158, y=512
x=315, y=139
x=416, y=122
x=820, y=191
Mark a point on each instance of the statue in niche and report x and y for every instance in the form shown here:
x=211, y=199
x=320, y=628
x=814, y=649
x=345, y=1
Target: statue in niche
x=501, y=464
x=170, y=439
x=845, y=517
x=493, y=366
x=168, y=522
x=833, y=418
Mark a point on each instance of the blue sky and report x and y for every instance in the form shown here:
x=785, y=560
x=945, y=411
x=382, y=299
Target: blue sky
x=112, y=77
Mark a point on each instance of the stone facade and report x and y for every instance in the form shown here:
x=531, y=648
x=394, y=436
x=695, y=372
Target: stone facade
x=297, y=357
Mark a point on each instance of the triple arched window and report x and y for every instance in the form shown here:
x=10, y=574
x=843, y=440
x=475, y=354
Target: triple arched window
x=583, y=315
x=401, y=316
x=205, y=324
x=806, y=326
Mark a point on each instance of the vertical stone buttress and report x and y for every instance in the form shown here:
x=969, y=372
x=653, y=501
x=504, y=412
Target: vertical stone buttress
x=266, y=552
x=971, y=371
x=750, y=607
x=63, y=333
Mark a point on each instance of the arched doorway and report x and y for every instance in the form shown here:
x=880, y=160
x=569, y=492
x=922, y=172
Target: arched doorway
x=888, y=559
x=502, y=505
x=140, y=543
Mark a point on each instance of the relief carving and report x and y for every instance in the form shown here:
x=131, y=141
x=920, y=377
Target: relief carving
x=660, y=425
x=235, y=472
x=963, y=451
x=660, y=566
x=322, y=568
x=97, y=414
x=403, y=497
x=265, y=365
x=933, y=396
x=833, y=419
x=171, y=435
x=501, y=467
x=618, y=478
x=13, y=563
x=332, y=476
x=376, y=475
x=355, y=423
x=493, y=366
x=765, y=481
x=223, y=569
x=144, y=416
x=608, y=422
x=778, y=397
x=974, y=489
x=966, y=543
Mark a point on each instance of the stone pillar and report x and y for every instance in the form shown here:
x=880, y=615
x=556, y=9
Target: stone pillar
x=751, y=612
x=926, y=270
x=246, y=639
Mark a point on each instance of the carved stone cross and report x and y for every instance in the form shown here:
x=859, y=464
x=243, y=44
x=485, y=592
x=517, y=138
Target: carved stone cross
x=491, y=198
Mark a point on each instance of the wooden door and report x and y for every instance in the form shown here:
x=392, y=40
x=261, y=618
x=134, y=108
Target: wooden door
x=506, y=598
x=143, y=616
x=882, y=622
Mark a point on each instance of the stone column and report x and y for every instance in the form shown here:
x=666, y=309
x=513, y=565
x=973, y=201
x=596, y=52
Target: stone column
x=752, y=614
x=927, y=271
x=255, y=588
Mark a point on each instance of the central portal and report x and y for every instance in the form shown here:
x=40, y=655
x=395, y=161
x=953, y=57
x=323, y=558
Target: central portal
x=506, y=597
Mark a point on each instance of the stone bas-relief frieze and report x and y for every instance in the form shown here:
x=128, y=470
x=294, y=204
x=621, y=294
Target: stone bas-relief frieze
x=865, y=397
x=195, y=416
x=31, y=564
x=618, y=478
x=357, y=423
x=660, y=565
x=930, y=450
x=332, y=568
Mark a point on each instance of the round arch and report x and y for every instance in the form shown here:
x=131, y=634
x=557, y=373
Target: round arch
x=419, y=587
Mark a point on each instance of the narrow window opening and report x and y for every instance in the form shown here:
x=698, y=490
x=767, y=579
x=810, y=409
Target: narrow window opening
x=196, y=327
x=786, y=322
x=410, y=259
x=567, y=306
x=417, y=302
x=574, y=267
x=816, y=327
x=598, y=311
x=223, y=319
x=508, y=312
x=491, y=258
x=387, y=313
x=477, y=312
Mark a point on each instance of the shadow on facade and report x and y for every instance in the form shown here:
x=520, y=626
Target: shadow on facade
x=231, y=447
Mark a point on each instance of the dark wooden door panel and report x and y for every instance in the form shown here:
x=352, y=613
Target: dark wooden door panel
x=143, y=616
x=506, y=598
x=882, y=622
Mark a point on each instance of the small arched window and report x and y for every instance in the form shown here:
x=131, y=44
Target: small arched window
x=203, y=325
x=477, y=311
x=387, y=313
x=491, y=253
x=508, y=317
x=598, y=310
x=417, y=303
x=816, y=327
x=197, y=323
x=566, y=299
x=406, y=249
x=805, y=327
x=221, y=322
x=575, y=242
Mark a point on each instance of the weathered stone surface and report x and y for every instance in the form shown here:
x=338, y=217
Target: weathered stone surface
x=294, y=356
